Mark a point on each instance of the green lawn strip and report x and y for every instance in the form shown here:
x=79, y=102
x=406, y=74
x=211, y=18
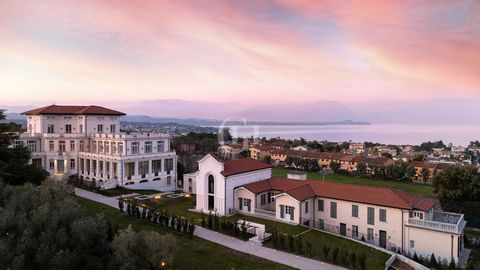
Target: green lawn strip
x=415, y=188
x=192, y=253
x=375, y=259
x=472, y=233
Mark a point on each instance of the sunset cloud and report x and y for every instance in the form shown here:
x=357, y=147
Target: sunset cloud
x=243, y=51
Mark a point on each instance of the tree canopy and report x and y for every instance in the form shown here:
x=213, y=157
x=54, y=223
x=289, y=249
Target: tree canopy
x=458, y=183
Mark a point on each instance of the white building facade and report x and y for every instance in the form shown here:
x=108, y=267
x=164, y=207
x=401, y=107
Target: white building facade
x=86, y=141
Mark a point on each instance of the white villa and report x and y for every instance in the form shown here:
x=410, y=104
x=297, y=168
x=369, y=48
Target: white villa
x=86, y=141
x=388, y=218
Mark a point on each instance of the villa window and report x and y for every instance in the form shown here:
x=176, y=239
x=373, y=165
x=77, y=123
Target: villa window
x=72, y=145
x=354, y=210
x=61, y=146
x=142, y=168
x=51, y=163
x=99, y=128
x=112, y=128
x=100, y=147
x=333, y=209
x=416, y=214
x=72, y=164
x=263, y=199
x=306, y=207
x=135, y=148
x=321, y=224
x=148, y=147
x=80, y=128
x=160, y=146
x=370, y=216
x=354, y=231
x=370, y=234
x=383, y=215
x=51, y=128
x=32, y=146
x=106, y=147
x=82, y=146
x=120, y=148
x=51, y=145
x=169, y=164
x=169, y=180
x=412, y=244
x=68, y=128
x=211, y=184
x=320, y=205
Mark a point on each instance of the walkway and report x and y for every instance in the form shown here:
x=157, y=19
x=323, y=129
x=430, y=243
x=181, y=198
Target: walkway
x=249, y=247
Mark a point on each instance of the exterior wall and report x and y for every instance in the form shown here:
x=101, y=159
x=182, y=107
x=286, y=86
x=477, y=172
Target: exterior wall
x=61, y=152
x=393, y=225
x=189, y=183
x=269, y=206
x=245, y=194
x=427, y=242
x=288, y=201
x=210, y=166
x=237, y=180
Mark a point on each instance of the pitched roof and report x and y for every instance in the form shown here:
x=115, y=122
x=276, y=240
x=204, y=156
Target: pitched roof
x=79, y=110
x=305, y=189
x=243, y=165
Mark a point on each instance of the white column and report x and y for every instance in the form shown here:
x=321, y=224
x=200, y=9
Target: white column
x=149, y=167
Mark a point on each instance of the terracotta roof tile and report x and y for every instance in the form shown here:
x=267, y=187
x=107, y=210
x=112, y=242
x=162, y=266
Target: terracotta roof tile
x=243, y=165
x=305, y=189
x=80, y=110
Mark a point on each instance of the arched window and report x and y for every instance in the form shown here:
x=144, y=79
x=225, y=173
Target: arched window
x=211, y=184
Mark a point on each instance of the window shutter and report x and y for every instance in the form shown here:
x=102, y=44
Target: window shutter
x=239, y=203
x=292, y=210
x=249, y=202
x=282, y=211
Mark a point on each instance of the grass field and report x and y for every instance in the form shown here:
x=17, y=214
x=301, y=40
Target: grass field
x=192, y=253
x=419, y=189
x=375, y=259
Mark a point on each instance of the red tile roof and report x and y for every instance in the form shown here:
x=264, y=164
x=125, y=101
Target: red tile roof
x=79, y=110
x=305, y=189
x=243, y=165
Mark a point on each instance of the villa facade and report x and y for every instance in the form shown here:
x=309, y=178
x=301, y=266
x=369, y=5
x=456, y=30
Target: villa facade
x=384, y=217
x=86, y=141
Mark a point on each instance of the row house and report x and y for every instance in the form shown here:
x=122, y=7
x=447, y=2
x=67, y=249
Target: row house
x=384, y=217
x=260, y=152
x=86, y=141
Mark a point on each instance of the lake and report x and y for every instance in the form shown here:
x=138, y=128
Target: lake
x=382, y=133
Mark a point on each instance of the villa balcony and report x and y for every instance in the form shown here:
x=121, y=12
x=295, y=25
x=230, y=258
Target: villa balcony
x=441, y=221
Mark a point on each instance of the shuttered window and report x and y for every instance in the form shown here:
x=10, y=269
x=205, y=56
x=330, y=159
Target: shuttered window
x=370, y=216
x=333, y=209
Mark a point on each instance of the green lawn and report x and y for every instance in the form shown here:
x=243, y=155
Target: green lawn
x=375, y=259
x=180, y=207
x=419, y=189
x=192, y=253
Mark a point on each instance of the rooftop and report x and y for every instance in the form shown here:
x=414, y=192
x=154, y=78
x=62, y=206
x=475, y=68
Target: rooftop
x=232, y=167
x=302, y=190
x=77, y=110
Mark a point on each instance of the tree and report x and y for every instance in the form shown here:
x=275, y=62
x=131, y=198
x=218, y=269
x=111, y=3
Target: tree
x=410, y=172
x=335, y=166
x=433, y=261
x=46, y=228
x=425, y=174
x=458, y=183
x=387, y=155
x=142, y=250
x=362, y=169
x=14, y=167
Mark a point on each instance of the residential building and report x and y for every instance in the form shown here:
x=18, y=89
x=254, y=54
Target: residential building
x=357, y=147
x=300, y=148
x=423, y=168
x=230, y=151
x=260, y=152
x=388, y=218
x=86, y=141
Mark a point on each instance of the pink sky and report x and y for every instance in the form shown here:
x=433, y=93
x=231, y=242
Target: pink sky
x=248, y=52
